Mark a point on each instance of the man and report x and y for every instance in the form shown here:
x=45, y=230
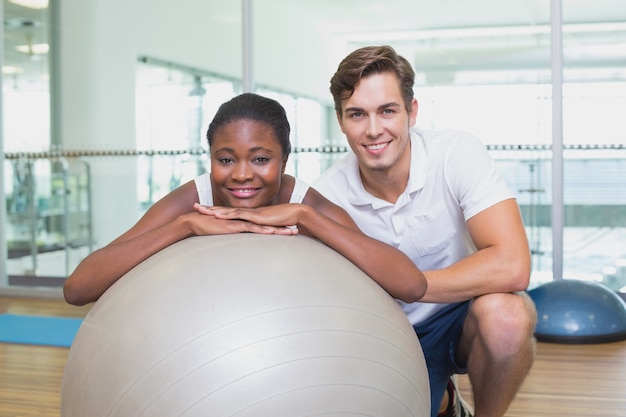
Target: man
x=436, y=196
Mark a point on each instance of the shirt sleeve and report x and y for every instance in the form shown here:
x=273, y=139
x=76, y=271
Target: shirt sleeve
x=473, y=177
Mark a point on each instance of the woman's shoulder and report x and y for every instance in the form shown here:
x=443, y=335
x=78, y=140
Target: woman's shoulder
x=287, y=184
x=299, y=191
x=292, y=189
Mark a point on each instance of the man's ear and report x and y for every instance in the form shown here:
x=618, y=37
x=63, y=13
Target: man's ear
x=413, y=115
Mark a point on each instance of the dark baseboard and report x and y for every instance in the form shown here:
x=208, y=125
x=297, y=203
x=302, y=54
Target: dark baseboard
x=35, y=281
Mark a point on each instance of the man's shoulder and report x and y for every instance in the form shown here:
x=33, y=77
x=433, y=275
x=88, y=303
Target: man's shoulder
x=441, y=135
x=335, y=182
x=338, y=169
x=444, y=143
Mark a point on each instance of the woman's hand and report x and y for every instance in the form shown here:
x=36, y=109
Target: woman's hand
x=226, y=220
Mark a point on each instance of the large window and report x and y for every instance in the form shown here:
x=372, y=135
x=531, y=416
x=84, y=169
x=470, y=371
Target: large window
x=514, y=121
x=594, y=136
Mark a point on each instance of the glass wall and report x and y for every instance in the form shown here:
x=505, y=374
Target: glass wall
x=36, y=226
x=594, y=136
x=134, y=104
x=25, y=71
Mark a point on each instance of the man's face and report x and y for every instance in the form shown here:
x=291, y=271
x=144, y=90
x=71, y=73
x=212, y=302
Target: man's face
x=376, y=122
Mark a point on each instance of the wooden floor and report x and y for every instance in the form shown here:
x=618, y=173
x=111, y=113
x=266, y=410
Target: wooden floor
x=566, y=380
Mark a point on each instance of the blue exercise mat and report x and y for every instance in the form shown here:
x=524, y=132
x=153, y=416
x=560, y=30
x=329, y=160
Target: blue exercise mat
x=38, y=330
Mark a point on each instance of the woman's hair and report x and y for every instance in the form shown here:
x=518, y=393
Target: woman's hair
x=367, y=61
x=249, y=106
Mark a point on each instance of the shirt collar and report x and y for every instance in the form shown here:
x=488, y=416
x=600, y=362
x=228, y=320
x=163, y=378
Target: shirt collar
x=419, y=161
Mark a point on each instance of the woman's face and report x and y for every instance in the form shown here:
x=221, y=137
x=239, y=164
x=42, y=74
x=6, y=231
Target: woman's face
x=247, y=164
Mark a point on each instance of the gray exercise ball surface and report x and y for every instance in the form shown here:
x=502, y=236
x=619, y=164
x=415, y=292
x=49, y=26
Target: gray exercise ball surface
x=245, y=325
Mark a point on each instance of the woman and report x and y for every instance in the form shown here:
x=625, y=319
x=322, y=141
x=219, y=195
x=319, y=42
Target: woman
x=246, y=191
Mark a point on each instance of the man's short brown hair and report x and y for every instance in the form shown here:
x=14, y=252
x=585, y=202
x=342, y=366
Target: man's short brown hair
x=367, y=61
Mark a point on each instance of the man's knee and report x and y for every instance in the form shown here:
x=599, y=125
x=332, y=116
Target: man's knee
x=504, y=321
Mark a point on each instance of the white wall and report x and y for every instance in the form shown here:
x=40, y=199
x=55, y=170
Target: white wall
x=97, y=83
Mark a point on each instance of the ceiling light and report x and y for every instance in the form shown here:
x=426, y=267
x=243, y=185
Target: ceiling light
x=34, y=49
x=31, y=4
x=8, y=69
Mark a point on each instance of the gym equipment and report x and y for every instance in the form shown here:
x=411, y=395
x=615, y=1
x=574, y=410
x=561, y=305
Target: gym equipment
x=245, y=325
x=574, y=311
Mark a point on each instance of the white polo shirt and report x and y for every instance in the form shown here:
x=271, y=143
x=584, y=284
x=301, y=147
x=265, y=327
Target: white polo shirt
x=452, y=178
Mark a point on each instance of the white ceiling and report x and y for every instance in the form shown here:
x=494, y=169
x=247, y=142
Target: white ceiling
x=444, y=35
x=440, y=36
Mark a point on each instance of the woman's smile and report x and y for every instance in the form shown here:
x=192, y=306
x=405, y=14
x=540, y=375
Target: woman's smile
x=244, y=192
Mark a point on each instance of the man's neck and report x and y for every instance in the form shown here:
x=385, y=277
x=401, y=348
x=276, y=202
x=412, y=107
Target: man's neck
x=389, y=184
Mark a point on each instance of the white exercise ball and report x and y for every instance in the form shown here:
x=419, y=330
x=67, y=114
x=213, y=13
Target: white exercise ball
x=245, y=325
